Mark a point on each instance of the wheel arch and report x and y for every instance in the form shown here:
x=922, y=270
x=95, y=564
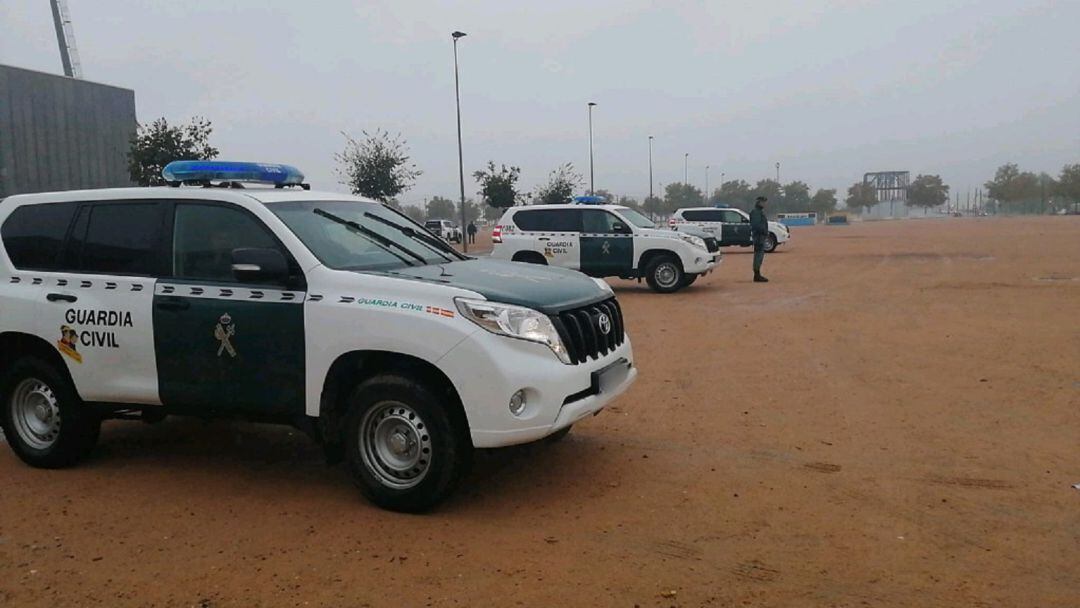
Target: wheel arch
x=528, y=254
x=357, y=366
x=14, y=344
x=651, y=254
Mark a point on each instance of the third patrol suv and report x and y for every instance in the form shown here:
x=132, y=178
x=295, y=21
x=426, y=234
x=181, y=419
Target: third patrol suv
x=730, y=225
x=603, y=241
x=330, y=312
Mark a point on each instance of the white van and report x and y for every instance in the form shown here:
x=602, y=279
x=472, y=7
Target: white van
x=330, y=312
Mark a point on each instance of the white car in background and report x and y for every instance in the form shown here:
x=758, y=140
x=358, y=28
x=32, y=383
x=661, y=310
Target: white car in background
x=444, y=229
x=731, y=226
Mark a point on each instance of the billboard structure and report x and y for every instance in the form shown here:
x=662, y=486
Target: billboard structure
x=892, y=189
x=59, y=133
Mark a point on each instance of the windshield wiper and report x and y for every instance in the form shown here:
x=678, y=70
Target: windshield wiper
x=374, y=237
x=432, y=242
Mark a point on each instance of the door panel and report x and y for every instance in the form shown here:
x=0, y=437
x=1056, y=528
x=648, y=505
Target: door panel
x=603, y=252
x=228, y=348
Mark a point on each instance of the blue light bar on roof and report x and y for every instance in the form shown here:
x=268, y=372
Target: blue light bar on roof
x=589, y=200
x=203, y=171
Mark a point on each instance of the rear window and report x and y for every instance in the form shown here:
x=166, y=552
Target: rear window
x=549, y=220
x=33, y=234
x=702, y=215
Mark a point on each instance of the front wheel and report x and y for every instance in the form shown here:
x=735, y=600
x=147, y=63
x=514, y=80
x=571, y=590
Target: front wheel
x=406, y=452
x=45, y=422
x=770, y=243
x=664, y=274
x=689, y=279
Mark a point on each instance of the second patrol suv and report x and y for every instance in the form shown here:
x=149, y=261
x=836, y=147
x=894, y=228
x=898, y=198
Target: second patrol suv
x=330, y=312
x=730, y=225
x=603, y=241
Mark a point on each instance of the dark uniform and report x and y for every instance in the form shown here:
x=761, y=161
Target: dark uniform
x=759, y=230
x=471, y=230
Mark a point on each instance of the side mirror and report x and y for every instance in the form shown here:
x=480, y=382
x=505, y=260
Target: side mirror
x=620, y=228
x=253, y=265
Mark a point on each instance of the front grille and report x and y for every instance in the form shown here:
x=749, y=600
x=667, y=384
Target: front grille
x=580, y=330
x=712, y=244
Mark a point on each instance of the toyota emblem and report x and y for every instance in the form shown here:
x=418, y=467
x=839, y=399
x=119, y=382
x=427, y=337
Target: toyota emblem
x=604, y=322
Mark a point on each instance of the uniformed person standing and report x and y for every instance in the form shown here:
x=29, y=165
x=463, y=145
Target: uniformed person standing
x=759, y=230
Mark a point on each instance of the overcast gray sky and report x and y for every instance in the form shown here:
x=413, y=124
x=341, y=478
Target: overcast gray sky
x=828, y=89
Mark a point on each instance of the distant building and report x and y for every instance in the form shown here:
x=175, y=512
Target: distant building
x=60, y=133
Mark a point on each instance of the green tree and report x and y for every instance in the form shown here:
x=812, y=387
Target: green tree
x=1069, y=184
x=472, y=211
x=561, y=184
x=377, y=167
x=415, y=213
x=860, y=196
x=608, y=197
x=653, y=206
x=498, y=187
x=927, y=191
x=678, y=195
x=796, y=197
x=441, y=208
x=823, y=202
x=734, y=193
x=631, y=202
x=155, y=145
x=770, y=189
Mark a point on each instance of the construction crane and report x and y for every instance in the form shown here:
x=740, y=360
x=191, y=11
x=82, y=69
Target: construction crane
x=65, y=37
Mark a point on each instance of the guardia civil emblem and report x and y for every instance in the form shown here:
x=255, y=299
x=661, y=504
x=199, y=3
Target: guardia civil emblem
x=224, y=332
x=606, y=247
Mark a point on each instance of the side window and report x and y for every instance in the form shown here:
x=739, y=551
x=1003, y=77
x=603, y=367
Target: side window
x=596, y=221
x=700, y=215
x=33, y=234
x=204, y=237
x=120, y=238
x=548, y=220
x=733, y=217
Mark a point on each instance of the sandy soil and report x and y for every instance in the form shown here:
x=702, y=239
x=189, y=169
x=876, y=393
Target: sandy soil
x=893, y=421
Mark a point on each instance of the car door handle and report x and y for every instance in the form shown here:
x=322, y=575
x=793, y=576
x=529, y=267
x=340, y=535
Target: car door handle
x=61, y=297
x=544, y=238
x=173, y=304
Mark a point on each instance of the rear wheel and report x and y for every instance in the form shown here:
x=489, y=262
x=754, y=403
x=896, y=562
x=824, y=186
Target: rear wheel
x=45, y=422
x=664, y=274
x=689, y=279
x=405, y=450
x=530, y=257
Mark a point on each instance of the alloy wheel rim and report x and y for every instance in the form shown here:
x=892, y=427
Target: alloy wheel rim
x=36, y=413
x=395, y=445
x=666, y=274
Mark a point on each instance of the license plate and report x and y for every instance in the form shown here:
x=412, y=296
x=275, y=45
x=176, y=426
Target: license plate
x=612, y=376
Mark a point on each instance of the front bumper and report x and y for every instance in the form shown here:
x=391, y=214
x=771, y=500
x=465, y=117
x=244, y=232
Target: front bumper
x=488, y=369
x=703, y=263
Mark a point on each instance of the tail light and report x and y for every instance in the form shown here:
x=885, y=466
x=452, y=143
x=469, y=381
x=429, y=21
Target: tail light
x=496, y=234
x=671, y=223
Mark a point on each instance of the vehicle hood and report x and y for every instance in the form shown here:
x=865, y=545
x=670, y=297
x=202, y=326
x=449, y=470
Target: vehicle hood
x=695, y=231
x=660, y=232
x=777, y=226
x=544, y=288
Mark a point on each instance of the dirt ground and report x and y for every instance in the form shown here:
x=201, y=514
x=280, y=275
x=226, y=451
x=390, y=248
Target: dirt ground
x=892, y=421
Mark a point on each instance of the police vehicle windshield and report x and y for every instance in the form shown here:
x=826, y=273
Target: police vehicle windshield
x=636, y=218
x=356, y=235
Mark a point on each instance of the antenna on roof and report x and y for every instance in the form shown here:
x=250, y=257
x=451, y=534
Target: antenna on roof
x=65, y=37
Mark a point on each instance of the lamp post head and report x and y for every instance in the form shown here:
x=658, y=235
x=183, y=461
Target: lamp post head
x=457, y=35
x=592, y=103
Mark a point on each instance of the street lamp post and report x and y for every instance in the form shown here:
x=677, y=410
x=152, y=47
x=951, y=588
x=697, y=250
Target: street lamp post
x=592, y=175
x=461, y=160
x=777, y=173
x=650, y=167
x=685, y=165
x=706, y=182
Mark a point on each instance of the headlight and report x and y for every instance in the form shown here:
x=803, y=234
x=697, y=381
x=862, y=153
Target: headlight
x=693, y=240
x=602, y=284
x=514, y=322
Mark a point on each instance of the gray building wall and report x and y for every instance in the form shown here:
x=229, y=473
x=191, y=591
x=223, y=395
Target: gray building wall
x=59, y=133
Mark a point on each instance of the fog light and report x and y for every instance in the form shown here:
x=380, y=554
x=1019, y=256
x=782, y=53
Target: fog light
x=517, y=403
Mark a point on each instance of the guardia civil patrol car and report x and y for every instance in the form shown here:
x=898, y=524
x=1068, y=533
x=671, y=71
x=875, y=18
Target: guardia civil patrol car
x=330, y=312
x=603, y=241
x=730, y=225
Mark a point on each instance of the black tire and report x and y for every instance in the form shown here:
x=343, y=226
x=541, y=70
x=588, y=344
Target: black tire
x=530, y=257
x=436, y=451
x=558, y=435
x=664, y=274
x=60, y=431
x=770, y=243
x=689, y=279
